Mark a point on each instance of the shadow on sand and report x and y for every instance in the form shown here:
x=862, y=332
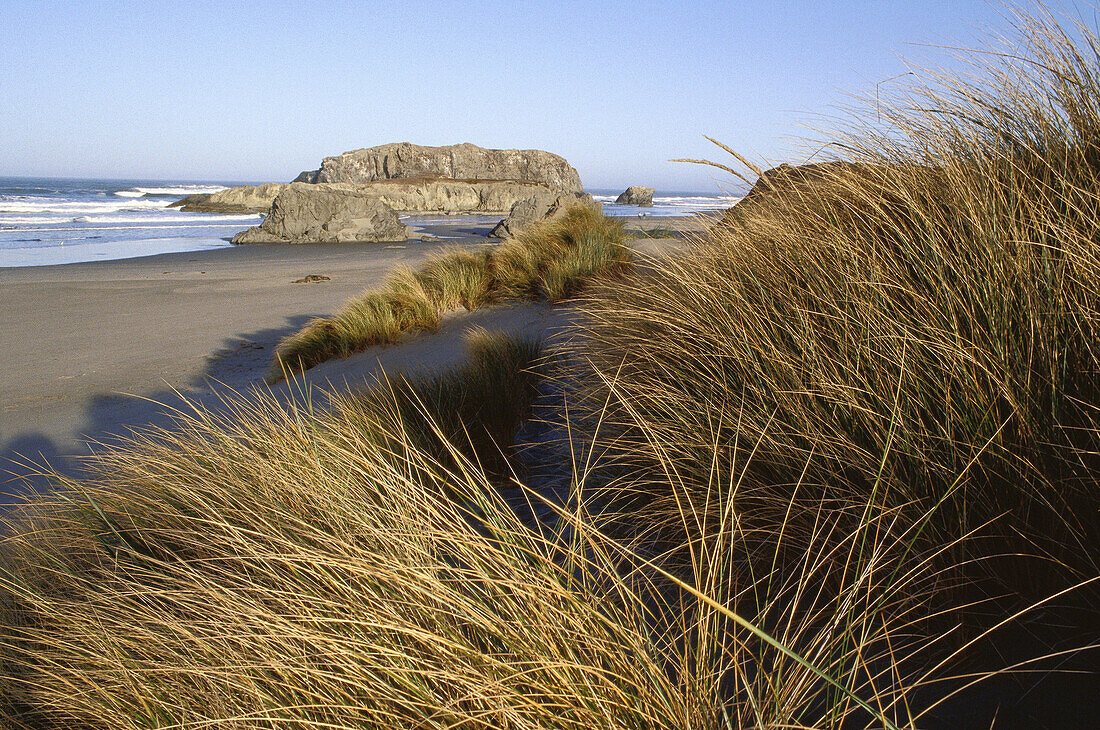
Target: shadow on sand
x=27, y=458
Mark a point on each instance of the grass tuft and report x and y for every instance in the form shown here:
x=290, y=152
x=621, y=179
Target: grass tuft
x=476, y=408
x=553, y=260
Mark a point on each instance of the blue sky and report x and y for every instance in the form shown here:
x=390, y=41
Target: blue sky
x=261, y=90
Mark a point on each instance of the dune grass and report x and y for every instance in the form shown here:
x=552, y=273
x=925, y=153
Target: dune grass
x=919, y=323
x=825, y=442
x=475, y=408
x=912, y=331
x=268, y=566
x=549, y=260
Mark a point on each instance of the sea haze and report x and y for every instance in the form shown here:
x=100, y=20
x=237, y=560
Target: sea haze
x=59, y=221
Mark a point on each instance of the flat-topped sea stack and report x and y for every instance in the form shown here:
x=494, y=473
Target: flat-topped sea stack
x=339, y=201
x=441, y=195
x=457, y=162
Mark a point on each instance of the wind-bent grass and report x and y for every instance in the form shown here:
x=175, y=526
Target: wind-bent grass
x=551, y=260
x=273, y=567
x=476, y=408
x=885, y=325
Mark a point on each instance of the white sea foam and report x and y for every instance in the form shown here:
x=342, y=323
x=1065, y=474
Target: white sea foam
x=212, y=223
x=171, y=190
x=694, y=202
x=166, y=221
x=76, y=207
x=20, y=221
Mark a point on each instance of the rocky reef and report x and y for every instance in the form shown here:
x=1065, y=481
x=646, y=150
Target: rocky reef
x=243, y=199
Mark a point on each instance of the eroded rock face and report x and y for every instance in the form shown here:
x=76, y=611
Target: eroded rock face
x=451, y=196
x=636, y=195
x=457, y=162
x=544, y=205
x=305, y=213
x=243, y=199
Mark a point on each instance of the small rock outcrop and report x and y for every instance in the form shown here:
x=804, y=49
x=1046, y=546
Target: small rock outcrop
x=305, y=213
x=544, y=205
x=456, y=162
x=636, y=195
x=243, y=199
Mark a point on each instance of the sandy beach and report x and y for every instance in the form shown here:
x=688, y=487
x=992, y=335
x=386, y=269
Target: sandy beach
x=93, y=350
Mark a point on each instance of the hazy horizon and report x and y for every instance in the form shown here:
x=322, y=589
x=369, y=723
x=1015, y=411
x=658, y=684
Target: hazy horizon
x=260, y=91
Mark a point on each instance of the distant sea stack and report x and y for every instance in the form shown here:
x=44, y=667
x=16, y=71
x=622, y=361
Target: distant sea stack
x=636, y=195
x=457, y=162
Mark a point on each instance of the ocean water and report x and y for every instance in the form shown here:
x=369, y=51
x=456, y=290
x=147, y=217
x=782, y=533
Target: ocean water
x=59, y=221
x=666, y=203
x=45, y=221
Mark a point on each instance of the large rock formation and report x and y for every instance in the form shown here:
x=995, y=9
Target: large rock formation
x=457, y=162
x=636, y=195
x=450, y=196
x=304, y=213
x=407, y=195
x=543, y=205
x=243, y=199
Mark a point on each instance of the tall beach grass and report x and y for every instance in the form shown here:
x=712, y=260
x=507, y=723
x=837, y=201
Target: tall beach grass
x=835, y=465
x=919, y=322
x=279, y=568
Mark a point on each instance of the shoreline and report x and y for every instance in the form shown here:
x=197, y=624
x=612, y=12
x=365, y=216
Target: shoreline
x=95, y=349
x=80, y=335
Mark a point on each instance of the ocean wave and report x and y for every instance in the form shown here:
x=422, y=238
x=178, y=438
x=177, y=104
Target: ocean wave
x=169, y=221
x=170, y=190
x=220, y=221
x=10, y=223
x=693, y=202
x=696, y=201
x=77, y=207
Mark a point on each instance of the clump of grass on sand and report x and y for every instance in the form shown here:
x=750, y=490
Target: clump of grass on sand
x=476, y=408
x=550, y=260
